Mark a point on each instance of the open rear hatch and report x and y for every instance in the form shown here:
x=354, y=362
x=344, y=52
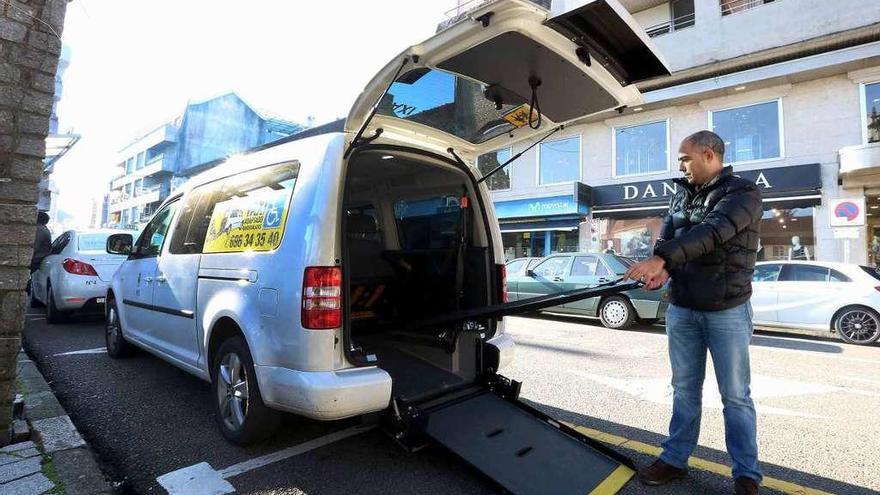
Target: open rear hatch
x=506, y=71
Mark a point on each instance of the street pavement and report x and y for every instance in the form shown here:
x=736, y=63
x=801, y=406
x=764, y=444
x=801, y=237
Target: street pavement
x=817, y=401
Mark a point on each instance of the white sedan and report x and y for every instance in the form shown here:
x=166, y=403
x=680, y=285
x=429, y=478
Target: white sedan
x=76, y=273
x=814, y=295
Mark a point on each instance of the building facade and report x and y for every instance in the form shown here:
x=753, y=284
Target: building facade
x=207, y=132
x=793, y=88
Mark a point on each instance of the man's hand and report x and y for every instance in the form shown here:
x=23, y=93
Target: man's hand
x=651, y=272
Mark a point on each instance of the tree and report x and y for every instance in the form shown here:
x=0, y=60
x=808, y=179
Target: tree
x=30, y=46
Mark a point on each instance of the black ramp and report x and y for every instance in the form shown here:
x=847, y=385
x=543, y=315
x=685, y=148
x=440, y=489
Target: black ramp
x=521, y=452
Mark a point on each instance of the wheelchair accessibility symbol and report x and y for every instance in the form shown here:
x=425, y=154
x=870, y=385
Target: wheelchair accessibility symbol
x=272, y=219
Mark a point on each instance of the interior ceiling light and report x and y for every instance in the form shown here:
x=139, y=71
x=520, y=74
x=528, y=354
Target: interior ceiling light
x=387, y=157
x=739, y=88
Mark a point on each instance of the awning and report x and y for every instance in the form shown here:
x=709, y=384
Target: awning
x=544, y=226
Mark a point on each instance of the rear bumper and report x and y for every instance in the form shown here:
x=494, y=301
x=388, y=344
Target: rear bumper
x=76, y=292
x=325, y=395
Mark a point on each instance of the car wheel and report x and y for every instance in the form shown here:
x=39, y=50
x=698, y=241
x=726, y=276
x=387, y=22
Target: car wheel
x=117, y=346
x=617, y=312
x=53, y=314
x=858, y=325
x=239, y=408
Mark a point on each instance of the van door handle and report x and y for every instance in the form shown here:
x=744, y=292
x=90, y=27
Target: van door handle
x=603, y=280
x=160, y=279
x=148, y=279
x=558, y=279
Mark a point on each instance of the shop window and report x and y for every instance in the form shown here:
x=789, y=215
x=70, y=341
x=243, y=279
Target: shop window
x=750, y=133
x=631, y=238
x=787, y=234
x=872, y=112
x=140, y=160
x=500, y=180
x=641, y=149
x=559, y=161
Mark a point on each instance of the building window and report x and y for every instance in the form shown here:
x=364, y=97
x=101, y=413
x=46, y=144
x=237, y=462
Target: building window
x=129, y=165
x=641, y=149
x=138, y=187
x=750, y=133
x=681, y=16
x=872, y=112
x=127, y=191
x=559, y=161
x=140, y=160
x=500, y=180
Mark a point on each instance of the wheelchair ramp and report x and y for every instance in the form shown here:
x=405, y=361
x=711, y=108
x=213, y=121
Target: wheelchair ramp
x=523, y=450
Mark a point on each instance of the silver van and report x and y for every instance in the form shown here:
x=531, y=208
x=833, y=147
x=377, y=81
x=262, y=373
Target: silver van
x=362, y=271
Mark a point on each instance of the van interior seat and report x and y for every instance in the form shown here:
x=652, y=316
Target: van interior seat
x=370, y=276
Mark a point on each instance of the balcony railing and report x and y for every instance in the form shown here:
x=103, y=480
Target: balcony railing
x=667, y=27
x=733, y=6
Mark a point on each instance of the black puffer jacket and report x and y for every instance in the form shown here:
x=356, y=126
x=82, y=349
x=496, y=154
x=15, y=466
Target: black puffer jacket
x=709, y=241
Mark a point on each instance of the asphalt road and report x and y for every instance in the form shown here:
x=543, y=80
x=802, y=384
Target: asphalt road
x=817, y=414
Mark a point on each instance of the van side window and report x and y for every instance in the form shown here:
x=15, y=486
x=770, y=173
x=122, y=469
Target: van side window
x=247, y=212
x=195, y=217
x=150, y=242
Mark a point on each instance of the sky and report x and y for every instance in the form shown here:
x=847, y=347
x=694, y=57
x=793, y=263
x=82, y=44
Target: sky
x=135, y=65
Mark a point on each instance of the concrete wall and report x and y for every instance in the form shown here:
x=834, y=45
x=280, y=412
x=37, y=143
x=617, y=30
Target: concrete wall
x=820, y=117
x=772, y=25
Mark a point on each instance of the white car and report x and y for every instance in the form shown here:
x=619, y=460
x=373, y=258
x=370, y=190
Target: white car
x=819, y=296
x=76, y=273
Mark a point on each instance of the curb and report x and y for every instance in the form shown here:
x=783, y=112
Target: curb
x=56, y=459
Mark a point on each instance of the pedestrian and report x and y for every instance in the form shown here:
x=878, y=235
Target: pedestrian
x=706, y=250
x=42, y=241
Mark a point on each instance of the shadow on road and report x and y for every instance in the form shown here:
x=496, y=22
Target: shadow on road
x=770, y=470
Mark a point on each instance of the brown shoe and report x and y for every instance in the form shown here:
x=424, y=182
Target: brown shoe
x=660, y=473
x=746, y=486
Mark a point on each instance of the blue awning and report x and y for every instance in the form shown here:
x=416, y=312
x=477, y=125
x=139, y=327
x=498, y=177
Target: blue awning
x=561, y=224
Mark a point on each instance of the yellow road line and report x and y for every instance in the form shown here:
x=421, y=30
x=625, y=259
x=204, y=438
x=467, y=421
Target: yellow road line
x=694, y=462
x=614, y=482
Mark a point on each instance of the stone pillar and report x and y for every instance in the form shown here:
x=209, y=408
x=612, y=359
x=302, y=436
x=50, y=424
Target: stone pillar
x=30, y=47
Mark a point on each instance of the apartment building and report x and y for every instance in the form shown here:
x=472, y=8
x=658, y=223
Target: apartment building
x=151, y=166
x=793, y=88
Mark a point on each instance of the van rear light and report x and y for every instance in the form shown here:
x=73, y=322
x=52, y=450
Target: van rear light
x=77, y=267
x=322, y=298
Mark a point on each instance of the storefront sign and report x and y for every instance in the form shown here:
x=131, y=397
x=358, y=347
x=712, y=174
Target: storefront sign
x=847, y=212
x=535, y=207
x=774, y=182
x=576, y=203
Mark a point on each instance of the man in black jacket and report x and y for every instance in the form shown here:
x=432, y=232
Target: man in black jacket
x=707, y=249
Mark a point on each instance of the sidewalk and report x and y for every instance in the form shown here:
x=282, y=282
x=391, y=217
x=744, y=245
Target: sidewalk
x=55, y=459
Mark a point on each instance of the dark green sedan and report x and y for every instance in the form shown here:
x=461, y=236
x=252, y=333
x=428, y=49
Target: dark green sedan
x=533, y=277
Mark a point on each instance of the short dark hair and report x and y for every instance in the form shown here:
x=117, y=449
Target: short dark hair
x=708, y=139
x=42, y=218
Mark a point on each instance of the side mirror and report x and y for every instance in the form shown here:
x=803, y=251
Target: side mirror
x=530, y=273
x=120, y=244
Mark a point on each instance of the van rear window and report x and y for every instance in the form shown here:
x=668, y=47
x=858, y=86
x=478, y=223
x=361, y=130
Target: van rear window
x=429, y=223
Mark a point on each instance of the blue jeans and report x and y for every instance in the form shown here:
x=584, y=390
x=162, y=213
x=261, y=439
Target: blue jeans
x=726, y=335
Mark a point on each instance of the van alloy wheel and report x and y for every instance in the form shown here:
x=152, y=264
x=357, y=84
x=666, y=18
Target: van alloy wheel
x=858, y=326
x=232, y=391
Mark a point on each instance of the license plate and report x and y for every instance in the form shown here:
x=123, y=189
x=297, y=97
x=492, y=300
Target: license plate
x=101, y=300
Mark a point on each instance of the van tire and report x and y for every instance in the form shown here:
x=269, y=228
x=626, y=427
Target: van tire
x=616, y=312
x=117, y=346
x=53, y=314
x=238, y=406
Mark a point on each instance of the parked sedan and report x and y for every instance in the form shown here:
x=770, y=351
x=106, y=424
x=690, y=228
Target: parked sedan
x=811, y=295
x=562, y=272
x=76, y=273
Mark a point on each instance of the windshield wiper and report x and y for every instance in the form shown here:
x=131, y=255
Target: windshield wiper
x=514, y=157
x=358, y=139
